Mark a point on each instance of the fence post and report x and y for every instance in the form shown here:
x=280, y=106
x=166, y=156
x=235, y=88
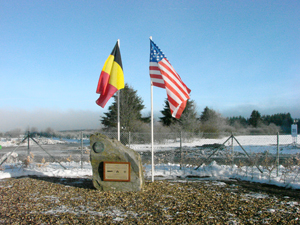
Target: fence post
x=277, y=153
x=232, y=149
x=81, y=149
x=180, y=149
x=129, y=139
x=28, y=148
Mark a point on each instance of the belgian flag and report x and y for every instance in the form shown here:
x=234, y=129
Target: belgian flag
x=111, y=77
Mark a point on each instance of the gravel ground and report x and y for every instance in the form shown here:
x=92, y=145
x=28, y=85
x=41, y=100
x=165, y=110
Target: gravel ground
x=44, y=200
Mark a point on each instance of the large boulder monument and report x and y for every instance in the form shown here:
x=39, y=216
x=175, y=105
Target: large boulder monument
x=115, y=166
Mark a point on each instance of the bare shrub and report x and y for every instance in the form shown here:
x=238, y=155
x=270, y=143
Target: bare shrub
x=43, y=163
x=28, y=160
x=268, y=163
x=291, y=169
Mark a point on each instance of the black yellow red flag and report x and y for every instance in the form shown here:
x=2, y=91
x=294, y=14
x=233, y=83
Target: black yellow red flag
x=111, y=77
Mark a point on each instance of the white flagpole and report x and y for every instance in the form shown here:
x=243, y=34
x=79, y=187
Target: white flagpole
x=152, y=138
x=118, y=105
x=152, y=142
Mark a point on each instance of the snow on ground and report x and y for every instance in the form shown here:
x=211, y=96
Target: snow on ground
x=287, y=177
x=162, y=171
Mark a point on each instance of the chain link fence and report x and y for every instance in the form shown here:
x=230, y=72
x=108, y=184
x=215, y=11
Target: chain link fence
x=189, y=150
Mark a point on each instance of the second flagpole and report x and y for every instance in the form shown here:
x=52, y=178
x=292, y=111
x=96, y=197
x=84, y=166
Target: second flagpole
x=152, y=133
x=119, y=106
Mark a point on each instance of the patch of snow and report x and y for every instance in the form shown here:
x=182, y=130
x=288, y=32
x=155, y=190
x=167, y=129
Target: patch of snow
x=256, y=195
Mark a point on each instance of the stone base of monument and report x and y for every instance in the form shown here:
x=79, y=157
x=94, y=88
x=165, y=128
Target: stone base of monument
x=115, y=166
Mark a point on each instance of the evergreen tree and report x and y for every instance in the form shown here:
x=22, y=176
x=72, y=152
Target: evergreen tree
x=240, y=119
x=212, y=122
x=207, y=114
x=167, y=118
x=131, y=106
x=283, y=120
x=255, y=118
x=188, y=120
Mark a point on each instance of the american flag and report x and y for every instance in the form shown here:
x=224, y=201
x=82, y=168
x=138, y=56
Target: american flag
x=163, y=75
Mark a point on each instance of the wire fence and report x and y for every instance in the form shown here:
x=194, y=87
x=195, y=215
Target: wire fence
x=266, y=152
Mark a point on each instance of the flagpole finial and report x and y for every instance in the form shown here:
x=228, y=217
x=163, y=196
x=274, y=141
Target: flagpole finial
x=151, y=38
x=119, y=43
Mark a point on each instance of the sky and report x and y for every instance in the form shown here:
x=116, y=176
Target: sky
x=236, y=56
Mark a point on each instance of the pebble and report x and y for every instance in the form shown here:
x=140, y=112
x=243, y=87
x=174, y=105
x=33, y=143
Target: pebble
x=36, y=200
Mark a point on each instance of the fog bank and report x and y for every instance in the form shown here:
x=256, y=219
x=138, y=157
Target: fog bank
x=43, y=118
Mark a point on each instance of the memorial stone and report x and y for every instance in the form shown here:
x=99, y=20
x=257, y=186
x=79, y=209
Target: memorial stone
x=115, y=166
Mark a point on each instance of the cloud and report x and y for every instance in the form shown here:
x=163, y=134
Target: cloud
x=43, y=118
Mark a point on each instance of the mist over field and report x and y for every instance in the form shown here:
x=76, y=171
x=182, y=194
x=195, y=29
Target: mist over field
x=44, y=118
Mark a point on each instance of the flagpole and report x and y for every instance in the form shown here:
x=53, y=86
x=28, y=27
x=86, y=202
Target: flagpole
x=119, y=105
x=152, y=138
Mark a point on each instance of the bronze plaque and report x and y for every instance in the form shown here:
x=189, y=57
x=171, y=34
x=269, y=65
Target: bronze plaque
x=116, y=171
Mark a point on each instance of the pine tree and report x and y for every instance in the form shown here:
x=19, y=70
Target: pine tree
x=212, y=121
x=131, y=106
x=207, y=114
x=188, y=120
x=167, y=118
x=240, y=119
x=284, y=120
x=255, y=118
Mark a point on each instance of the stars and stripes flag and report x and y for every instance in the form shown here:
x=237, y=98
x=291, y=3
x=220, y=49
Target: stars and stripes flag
x=163, y=75
x=111, y=77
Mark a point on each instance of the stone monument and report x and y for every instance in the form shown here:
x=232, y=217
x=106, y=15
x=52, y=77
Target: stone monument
x=115, y=166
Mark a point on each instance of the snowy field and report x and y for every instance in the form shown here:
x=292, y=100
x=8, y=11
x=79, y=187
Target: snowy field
x=251, y=143
x=282, y=176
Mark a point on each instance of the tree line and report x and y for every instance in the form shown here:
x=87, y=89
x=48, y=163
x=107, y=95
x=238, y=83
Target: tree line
x=209, y=121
